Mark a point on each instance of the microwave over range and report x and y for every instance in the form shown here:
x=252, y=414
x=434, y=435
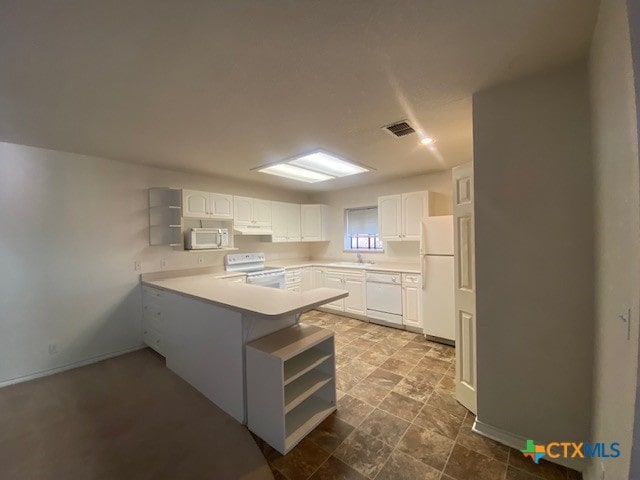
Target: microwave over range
x=205, y=238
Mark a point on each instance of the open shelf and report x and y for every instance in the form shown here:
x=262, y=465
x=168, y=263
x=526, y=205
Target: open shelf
x=299, y=390
x=165, y=220
x=291, y=384
x=297, y=366
x=304, y=418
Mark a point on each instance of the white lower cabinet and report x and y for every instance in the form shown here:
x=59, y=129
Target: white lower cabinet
x=317, y=277
x=291, y=385
x=292, y=279
x=356, y=286
x=353, y=281
x=306, y=279
x=153, y=328
x=411, y=304
x=333, y=279
x=299, y=279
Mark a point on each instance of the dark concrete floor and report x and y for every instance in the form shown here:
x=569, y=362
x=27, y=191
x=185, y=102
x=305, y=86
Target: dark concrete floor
x=124, y=418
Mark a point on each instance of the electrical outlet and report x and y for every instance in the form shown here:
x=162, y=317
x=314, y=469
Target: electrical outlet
x=137, y=265
x=53, y=349
x=200, y=260
x=163, y=263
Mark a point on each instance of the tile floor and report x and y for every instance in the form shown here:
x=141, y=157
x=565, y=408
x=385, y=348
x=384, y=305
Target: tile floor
x=398, y=418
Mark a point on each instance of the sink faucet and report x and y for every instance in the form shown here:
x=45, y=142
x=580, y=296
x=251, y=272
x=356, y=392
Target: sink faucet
x=359, y=256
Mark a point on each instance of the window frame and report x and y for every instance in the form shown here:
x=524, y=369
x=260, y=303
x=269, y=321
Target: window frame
x=348, y=239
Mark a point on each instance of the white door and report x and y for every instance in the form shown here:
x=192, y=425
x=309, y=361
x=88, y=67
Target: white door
x=465, y=286
x=355, y=302
x=196, y=204
x=221, y=206
x=311, y=221
x=243, y=210
x=261, y=212
x=279, y=222
x=390, y=217
x=414, y=209
x=334, y=280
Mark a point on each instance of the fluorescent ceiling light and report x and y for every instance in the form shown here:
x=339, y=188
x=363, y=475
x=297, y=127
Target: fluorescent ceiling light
x=295, y=173
x=328, y=164
x=313, y=167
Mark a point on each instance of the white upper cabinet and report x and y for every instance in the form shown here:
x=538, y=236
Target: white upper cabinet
x=243, y=210
x=285, y=218
x=414, y=208
x=262, y=212
x=400, y=216
x=314, y=220
x=252, y=212
x=390, y=217
x=279, y=224
x=196, y=204
x=222, y=206
x=294, y=221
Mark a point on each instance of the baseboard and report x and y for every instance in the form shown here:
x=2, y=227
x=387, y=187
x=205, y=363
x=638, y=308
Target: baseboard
x=519, y=442
x=364, y=318
x=71, y=366
x=409, y=328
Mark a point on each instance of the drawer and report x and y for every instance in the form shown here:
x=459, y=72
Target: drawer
x=153, y=339
x=354, y=275
x=292, y=274
x=152, y=318
x=411, y=278
x=151, y=293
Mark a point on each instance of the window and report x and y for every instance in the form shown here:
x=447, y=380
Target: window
x=361, y=229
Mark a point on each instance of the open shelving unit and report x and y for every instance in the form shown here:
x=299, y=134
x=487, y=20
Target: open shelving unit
x=165, y=216
x=291, y=385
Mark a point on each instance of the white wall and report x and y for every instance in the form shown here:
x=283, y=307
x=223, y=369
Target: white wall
x=72, y=227
x=404, y=252
x=617, y=235
x=533, y=194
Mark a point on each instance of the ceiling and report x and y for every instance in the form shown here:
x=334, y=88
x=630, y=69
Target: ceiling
x=222, y=87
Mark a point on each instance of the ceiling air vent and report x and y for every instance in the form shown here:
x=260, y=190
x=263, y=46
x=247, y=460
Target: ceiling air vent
x=399, y=129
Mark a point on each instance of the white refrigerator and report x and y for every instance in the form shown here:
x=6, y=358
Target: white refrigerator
x=436, y=261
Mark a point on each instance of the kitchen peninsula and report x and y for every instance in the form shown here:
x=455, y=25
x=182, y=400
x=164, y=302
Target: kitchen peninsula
x=202, y=322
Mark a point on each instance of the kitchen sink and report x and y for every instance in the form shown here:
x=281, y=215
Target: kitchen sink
x=350, y=264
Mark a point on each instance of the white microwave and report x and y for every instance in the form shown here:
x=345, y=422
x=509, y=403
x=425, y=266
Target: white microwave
x=204, y=238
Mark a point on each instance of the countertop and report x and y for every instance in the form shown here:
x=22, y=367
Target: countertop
x=376, y=267
x=268, y=302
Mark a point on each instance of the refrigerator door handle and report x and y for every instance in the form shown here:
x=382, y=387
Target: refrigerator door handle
x=423, y=271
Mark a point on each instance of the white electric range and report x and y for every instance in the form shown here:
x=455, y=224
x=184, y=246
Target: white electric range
x=253, y=265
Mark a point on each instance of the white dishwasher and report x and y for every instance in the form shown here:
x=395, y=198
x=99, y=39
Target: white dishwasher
x=384, y=297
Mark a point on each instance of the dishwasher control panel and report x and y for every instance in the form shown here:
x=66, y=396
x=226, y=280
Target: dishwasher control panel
x=383, y=277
